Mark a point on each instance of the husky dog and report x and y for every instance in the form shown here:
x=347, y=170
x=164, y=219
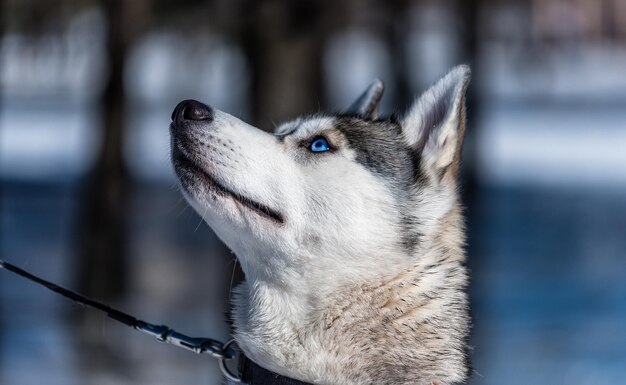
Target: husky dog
x=349, y=231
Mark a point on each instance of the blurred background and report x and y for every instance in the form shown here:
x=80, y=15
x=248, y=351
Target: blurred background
x=88, y=197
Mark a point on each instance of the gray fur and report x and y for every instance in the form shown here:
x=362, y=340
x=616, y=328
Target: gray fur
x=381, y=148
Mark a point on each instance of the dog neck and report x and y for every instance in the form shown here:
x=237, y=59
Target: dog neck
x=404, y=327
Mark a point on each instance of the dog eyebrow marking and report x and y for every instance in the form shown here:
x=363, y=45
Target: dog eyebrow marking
x=307, y=126
x=294, y=129
x=288, y=128
x=314, y=124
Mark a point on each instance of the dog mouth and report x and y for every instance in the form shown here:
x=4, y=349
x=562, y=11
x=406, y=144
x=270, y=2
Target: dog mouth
x=181, y=161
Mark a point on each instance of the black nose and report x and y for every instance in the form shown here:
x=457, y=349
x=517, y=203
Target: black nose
x=191, y=110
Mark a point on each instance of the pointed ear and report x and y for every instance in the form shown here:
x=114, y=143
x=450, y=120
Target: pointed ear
x=366, y=105
x=435, y=124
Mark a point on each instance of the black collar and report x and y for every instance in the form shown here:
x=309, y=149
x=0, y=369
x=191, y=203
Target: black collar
x=253, y=374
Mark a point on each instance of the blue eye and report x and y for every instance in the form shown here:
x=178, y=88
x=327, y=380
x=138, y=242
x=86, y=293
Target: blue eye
x=319, y=144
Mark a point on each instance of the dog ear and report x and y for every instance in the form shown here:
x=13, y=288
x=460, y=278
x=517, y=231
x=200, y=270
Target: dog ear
x=435, y=124
x=366, y=106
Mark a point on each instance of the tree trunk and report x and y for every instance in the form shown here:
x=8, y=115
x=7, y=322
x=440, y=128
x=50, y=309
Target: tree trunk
x=102, y=254
x=285, y=59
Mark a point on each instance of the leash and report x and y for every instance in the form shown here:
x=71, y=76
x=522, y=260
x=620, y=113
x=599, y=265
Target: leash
x=250, y=372
x=216, y=349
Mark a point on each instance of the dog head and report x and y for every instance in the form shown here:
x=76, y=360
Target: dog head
x=346, y=220
x=347, y=192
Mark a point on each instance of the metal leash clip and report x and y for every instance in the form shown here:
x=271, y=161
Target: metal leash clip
x=195, y=344
x=216, y=349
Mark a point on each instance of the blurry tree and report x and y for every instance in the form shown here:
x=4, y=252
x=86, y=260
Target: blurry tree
x=395, y=27
x=283, y=42
x=102, y=256
x=468, y=12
